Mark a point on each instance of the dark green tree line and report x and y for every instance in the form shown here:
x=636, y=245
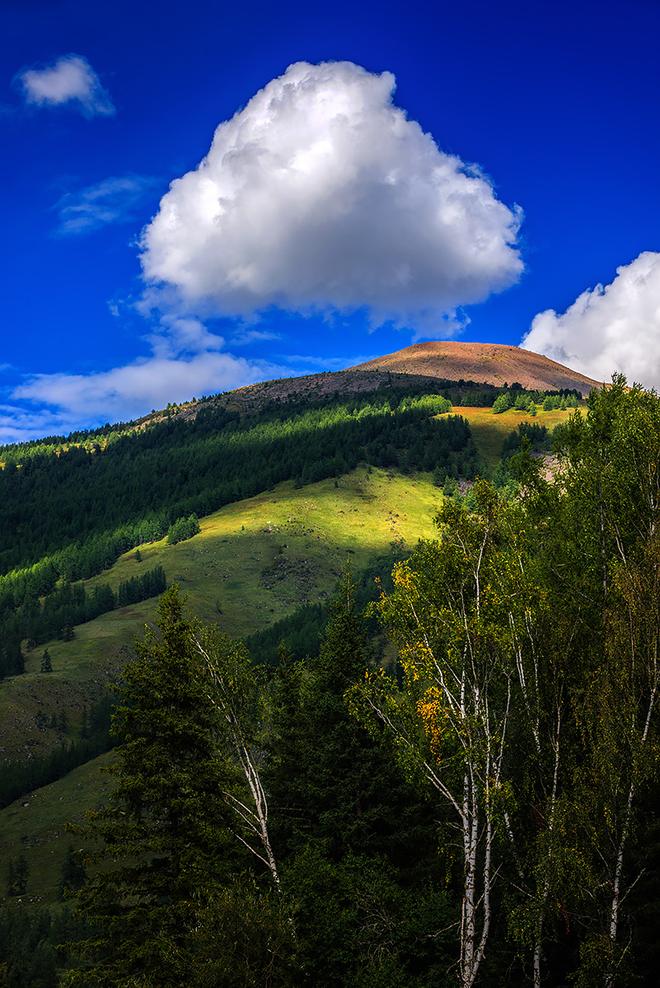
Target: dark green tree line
x=60, y=506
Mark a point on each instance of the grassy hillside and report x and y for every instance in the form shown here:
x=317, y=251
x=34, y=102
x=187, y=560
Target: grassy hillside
x=252, y=563
x=36, y=825
x=490, y=430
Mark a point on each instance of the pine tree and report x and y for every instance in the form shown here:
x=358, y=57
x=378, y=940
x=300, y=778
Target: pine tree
x=164, y=829
x=327, y=776
x=73, y=872
x=315, y=733
x=345, y=822
x=18, y=872
x=46, y=662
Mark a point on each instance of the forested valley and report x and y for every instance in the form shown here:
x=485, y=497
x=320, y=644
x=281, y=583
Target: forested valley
x=448, y=775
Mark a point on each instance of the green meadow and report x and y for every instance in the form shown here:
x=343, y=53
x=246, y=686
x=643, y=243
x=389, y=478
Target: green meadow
x=37, y=825
x=490, y=430
x=252, y=563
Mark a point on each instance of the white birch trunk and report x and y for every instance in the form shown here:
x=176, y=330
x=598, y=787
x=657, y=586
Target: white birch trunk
x=615, y=904
x=254, y=817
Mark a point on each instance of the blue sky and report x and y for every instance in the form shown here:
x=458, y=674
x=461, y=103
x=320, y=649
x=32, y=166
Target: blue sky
x=557, y=103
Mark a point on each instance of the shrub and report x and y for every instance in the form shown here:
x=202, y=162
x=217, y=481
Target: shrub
x=182, y=529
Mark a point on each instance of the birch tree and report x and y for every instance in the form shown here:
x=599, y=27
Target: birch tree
x=610, y=481
x=233, y=691
x=450, y=719
x=620, y=724
x=539, y=658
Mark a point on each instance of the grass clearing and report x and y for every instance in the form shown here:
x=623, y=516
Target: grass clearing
x=490, y=430
x=36, y=825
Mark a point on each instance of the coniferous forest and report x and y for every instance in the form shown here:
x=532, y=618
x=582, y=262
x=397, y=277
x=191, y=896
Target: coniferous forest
x=448, y=775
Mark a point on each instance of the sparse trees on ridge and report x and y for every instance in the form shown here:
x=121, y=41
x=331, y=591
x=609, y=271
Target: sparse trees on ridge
x=182, y=529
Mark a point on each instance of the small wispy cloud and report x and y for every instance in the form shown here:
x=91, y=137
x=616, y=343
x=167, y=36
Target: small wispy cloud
x=324, y=363
x=113, y=200
x=181, y=336
x=123, y=392
x=68, y=81
x=19, y=424
x=245, y=337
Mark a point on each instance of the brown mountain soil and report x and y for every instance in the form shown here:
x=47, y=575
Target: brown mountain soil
x=493, y=363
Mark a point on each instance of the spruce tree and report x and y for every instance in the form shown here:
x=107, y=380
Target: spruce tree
x=345, y=822
x=73, y=872
x=164, y=829
x=46, y=662
x=329, y=775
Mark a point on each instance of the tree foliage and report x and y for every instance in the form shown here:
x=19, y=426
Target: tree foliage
x=163, y=833
x=532, y=626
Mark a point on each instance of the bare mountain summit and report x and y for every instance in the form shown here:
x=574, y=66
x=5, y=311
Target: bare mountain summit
x=493, y=363
x=422, y=364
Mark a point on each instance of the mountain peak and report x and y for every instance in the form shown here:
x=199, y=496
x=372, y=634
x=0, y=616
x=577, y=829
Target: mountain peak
x=491, y=363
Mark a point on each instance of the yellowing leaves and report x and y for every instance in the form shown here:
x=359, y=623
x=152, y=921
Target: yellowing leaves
x=416, y=660
x=403, y=577
x=434, y=718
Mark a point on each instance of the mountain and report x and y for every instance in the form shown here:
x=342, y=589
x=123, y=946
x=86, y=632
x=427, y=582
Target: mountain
x=492, y=363
x=421, y=365
x=292, y=481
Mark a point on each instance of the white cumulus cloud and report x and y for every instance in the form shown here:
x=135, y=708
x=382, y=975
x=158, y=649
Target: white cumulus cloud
x=185, y=359
x=610, y=328
x=130, y=391
x=70, y=80
x=321, y=194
